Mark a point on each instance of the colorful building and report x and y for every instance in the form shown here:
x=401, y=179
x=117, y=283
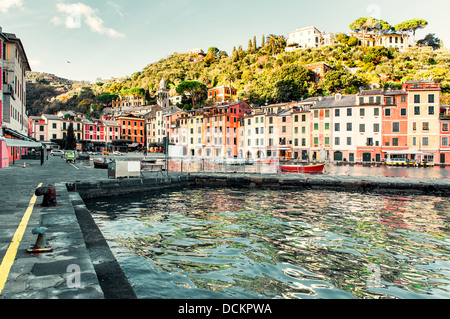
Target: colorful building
x=368, y=124
x=444, y=124
x=423, y=119
x=222, y=94
x=132, y=128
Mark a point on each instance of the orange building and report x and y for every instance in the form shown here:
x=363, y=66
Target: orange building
x=221, y=94
x=132, y=128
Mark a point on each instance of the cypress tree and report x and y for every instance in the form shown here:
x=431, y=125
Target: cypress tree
x=70, y=140
x=254, y=43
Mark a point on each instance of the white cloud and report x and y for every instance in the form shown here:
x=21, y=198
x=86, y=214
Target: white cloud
x=73, y=14
x=6, y=4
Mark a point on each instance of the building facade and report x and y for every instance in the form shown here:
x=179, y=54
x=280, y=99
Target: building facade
x=14, y=68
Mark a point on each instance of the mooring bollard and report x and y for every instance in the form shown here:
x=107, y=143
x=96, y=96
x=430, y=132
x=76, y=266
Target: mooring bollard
x=49, y=194
x=41, y=245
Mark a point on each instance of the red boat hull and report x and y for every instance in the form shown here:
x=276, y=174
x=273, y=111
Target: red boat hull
x=303, y=169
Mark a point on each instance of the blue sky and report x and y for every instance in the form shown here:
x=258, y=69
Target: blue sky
x=115, y=38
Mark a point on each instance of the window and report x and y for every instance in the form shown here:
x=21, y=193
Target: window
x=387, y=112
x=403, y=99
x=327, y=126
x=362, y=111
x=414, y=141
x=316, y=113
x=316, y=141
x=349, y=127
x=369, y=141
x=376, y=128
x=336, y=112
x=416, y=98
x=416, y=110
x=425, y=126
x=283, y=129
x=414, y=126
x=337, y=140
x=424, y=141
x=349, y=140
x=395, y=141
x=444, y=140
x=327, y=113
x=362, y=128
x=361, y=100
x=376, y=111
x=349, y=112
x=303, y=141
x=296, y=118
x=327, y=140
x=403, y=111
x=303, y=118
x=284, y=119
x=396, y=127
x=316, y=126
x=430, y=98
x=337, y=127
x=445, y=127
x=303, y=129
x=431, y=110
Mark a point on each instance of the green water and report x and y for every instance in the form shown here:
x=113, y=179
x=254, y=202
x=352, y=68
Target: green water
x=231, y=243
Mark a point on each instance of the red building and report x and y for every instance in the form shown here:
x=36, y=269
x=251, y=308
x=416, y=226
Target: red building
x=395, y=121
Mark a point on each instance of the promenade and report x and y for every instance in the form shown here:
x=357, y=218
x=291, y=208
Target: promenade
x=68, y=271
x=81, y=265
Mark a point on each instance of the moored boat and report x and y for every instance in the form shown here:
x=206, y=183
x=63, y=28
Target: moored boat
x=101, y=163
x=300, y=168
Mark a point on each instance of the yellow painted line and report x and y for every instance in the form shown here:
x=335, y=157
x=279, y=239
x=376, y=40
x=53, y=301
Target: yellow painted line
x=10, y=255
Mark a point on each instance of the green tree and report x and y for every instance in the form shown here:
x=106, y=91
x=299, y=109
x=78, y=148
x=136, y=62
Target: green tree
x=106, y=99
x=340, y=81
x=254, y=43
x=276, y=43
x=431, y=41
x=197, y=91
x=411, y=26
x=363, y=25
x=70, y=142
x=291, y=83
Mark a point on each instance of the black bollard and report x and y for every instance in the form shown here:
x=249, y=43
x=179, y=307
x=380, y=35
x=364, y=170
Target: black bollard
x=49, y=194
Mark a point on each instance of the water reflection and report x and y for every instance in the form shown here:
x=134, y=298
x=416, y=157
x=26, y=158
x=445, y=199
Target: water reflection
x=228, y=243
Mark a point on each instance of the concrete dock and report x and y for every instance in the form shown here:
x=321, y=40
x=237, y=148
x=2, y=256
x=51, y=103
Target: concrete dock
x=81, y=265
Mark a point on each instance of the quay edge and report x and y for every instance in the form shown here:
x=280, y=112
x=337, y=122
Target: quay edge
x=381, y=185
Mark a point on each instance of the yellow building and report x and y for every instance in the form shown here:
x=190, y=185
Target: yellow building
x=423, y=122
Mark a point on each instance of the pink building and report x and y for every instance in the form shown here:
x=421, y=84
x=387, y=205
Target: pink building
x=444, y=132
x=37, y=128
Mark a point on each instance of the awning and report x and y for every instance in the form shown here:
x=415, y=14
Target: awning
x=10, y=142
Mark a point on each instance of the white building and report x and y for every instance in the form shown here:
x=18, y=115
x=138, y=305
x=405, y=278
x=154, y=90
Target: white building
x=309, y=37
x=15, y=65
x=54, y=126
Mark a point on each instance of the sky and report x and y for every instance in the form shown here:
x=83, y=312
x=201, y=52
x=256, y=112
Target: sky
x=91, y=39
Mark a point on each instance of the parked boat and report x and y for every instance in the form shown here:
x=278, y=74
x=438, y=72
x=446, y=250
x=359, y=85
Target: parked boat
x=101, y=163
x=300, y=168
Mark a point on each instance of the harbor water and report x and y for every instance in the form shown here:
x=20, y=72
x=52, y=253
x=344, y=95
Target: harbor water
x=259, y=243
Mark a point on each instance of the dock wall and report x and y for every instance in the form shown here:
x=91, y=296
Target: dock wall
x=388, y=185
